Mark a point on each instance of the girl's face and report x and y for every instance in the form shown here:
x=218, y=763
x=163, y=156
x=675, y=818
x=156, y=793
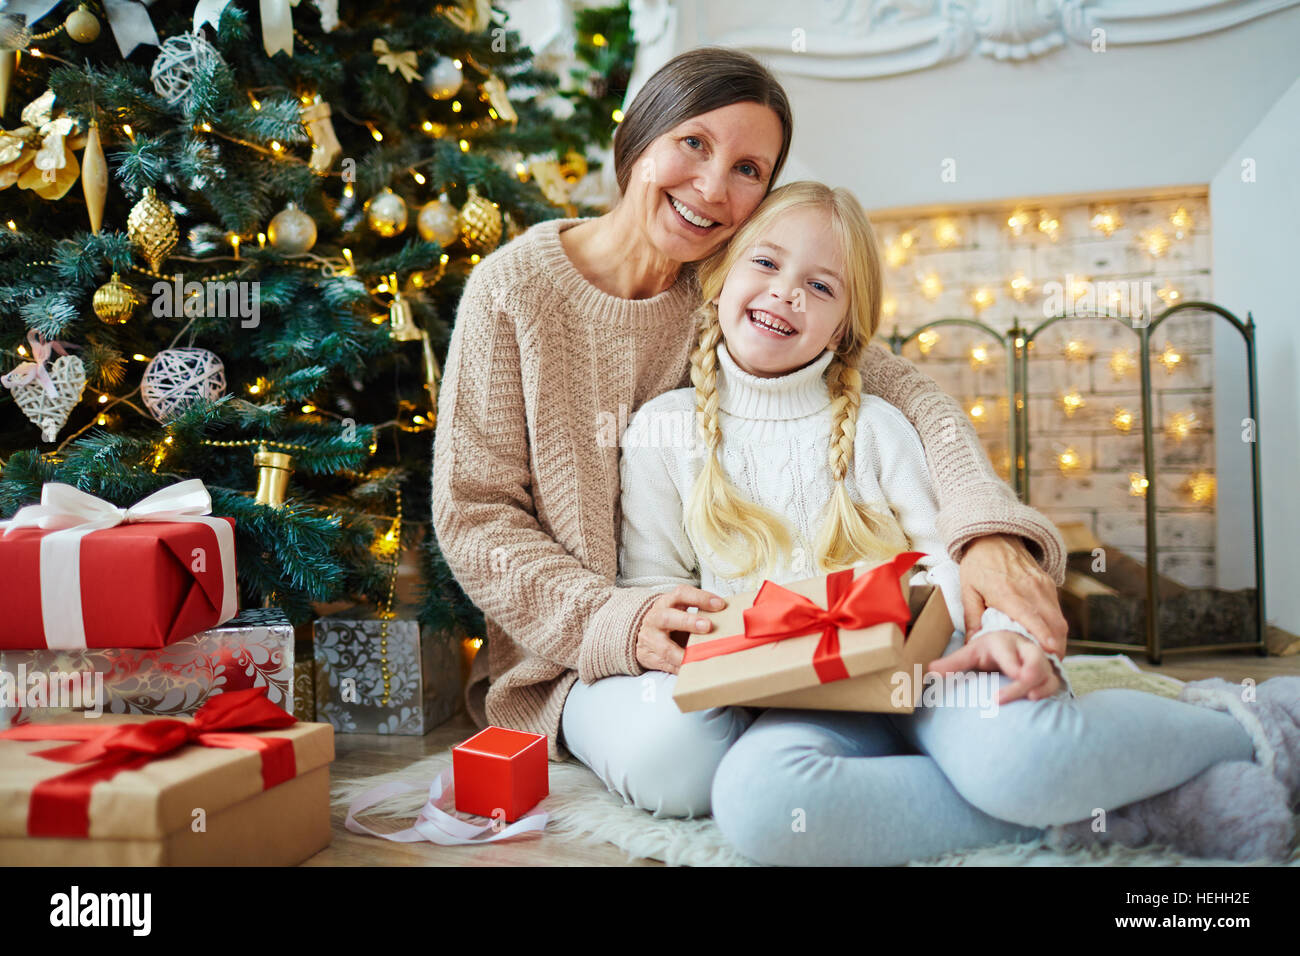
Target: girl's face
x=713, y=168
x=784, y=300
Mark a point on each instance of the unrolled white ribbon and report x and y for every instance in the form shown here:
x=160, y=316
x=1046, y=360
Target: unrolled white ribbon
x=72, y=514
x=435, y=825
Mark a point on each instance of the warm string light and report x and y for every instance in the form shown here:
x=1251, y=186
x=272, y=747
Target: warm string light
x=1201, y=487
x=931, y=286
x=982, y=298
x=1181, y=425
x=1020, y=287
x=1071, y=402
x=979, y=356
x=1106, y=220
x=1077, y=350
x=927, y=340
x=1121, y=363
x=1122, y=420
x=1069, y=461
x=1170, y=358
x=1137, y=484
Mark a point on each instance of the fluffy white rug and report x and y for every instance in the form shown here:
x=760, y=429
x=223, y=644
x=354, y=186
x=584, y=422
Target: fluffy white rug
x=582, y=809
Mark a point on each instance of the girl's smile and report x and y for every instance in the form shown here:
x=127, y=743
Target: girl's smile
x=785, y=300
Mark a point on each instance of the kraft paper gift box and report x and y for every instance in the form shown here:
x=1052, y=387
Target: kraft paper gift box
x=834, y=642
x=244, y=785
x=80, y=572
x=254, y=649
x=423, y=670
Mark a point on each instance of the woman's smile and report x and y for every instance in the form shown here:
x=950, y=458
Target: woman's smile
x=689, y=218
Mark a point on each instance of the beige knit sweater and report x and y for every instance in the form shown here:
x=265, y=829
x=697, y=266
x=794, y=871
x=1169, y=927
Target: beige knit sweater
x=543, y=371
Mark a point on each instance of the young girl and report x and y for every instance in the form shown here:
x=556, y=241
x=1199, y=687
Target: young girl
x=795, y=473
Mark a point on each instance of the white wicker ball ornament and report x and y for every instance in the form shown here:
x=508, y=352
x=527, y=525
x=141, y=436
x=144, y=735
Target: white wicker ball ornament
x=176, y=377
x=180, y=59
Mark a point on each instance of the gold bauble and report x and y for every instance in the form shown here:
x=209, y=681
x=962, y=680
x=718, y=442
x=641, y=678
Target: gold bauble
x=152, y=228
x=386, y=213
x=574, y=166
x=480, y=223
x=292, y=231
x=94, y=178
x=114, y=301
x=82, y=25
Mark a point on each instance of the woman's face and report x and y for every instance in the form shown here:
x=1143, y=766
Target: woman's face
x=784, y=300
x=713, y=168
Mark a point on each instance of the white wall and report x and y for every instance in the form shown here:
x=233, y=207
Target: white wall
x=1255, y=250
x=1068, y=121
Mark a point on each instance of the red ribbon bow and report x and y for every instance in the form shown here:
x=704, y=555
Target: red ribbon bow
x=60, y=806
x=779, y=613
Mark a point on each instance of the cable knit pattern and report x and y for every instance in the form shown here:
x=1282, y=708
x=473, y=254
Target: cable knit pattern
x=543, y=370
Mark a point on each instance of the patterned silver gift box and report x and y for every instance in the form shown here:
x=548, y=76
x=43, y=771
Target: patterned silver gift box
x=253, y=649
x=423, y=676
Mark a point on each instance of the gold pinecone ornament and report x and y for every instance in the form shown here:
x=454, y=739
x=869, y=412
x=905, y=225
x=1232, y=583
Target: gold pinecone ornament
x=151, y=228
x=114, y=301
x=480, y=223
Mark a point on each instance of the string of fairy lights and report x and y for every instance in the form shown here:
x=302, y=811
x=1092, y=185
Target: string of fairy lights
x=900, y=249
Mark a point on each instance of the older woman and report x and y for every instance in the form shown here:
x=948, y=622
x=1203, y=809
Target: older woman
x=560, y=336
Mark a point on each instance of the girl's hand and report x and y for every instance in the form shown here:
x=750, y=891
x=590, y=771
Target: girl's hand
x=657, y=646
x=1022, y=660
x=998, y=571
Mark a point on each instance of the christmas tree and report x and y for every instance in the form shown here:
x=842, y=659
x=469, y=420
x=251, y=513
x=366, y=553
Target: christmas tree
x=231, y=246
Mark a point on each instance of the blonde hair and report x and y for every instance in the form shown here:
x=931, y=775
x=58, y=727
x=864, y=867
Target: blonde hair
x=718, y=517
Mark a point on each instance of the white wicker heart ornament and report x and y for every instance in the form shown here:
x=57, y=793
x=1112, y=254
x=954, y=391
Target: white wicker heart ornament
x=50, y=412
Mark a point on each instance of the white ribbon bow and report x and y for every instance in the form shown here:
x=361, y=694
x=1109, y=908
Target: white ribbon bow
x=72, y=514
x=434, y=824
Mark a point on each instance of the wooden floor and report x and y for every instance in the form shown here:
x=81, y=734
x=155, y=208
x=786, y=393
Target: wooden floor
x=363, y=755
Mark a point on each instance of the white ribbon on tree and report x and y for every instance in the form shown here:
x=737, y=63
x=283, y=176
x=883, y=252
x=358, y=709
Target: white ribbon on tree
x=437, y=825
x=72, y=514
x=277, y=20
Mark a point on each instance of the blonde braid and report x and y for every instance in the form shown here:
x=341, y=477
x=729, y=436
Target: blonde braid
x=851, y=531
x=718, y=518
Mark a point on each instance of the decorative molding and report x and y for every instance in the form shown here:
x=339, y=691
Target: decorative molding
x=861, y=39
x=1156, y=21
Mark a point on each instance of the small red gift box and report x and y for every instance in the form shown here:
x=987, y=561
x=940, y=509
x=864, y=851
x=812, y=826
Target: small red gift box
x=81, y=573
x=500, y=771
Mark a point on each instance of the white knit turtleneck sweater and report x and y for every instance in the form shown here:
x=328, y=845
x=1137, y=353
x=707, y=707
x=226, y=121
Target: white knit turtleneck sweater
x=775, y=448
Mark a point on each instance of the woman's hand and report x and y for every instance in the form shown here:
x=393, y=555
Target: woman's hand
x=997, y=571
x=1031, y=673
x=656, y=647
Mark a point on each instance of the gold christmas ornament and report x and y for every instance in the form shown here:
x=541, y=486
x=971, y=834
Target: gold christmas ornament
x=401, y=319
x=325, y=147
x=574, y=167
x=386, y=213
x=273, y=470
x=94, y=177
x=498, y=100
x=82, y=26
x=292, y=231
x=152, y=228
x=480, y=223
x=14, y=37
x=114, y=301
x=437, y=221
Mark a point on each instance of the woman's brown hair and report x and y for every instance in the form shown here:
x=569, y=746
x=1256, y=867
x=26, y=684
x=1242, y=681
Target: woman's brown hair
x=697, y=81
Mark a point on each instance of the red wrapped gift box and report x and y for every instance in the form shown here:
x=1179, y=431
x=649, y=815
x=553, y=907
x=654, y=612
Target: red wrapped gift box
x=143, y=583
x=500, y=770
